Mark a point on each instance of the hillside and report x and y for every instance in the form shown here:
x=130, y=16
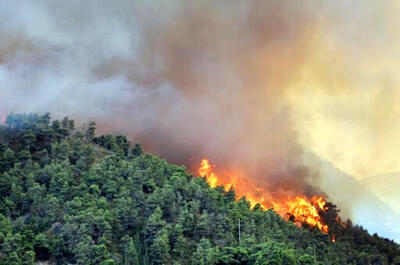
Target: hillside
x=71, y=197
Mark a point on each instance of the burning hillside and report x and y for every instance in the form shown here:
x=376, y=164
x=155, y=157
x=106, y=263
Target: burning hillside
x=97, y=200
x=300, y=209
x=267, y=80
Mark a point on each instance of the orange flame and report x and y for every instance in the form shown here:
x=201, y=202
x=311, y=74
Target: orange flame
x=299, y=209
x=303, y=210
x=206, y=170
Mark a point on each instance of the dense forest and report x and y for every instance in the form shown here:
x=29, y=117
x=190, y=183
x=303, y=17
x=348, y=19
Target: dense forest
x=68, y=196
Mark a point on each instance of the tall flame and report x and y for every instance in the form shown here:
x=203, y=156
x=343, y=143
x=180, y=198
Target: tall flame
x=206, y=170
x=299, y=209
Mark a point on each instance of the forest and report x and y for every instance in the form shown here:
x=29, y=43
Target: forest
x=70, y=196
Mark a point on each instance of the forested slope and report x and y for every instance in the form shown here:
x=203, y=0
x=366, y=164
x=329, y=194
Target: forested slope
x=69, y=197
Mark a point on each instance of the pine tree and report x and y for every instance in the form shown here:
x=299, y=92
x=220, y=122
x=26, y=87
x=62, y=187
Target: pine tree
x=130, y=255
x=137, y=150
x=28, y=258
x=90, y=132
x=159, y=250
x=205, y=253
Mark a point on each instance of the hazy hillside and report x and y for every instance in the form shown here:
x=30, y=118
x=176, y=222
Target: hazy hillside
x=361, y=204
x=386, y=187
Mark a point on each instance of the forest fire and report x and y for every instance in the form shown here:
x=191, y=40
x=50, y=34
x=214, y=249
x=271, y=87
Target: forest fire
x=299, y=209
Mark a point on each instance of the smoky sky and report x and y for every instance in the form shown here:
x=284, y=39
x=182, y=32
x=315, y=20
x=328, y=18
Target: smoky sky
x=187, y=79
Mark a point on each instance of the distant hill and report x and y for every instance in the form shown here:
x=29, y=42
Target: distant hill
x=386, y=187
x=364, y=203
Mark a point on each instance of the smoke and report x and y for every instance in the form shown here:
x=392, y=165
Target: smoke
x=248, y=84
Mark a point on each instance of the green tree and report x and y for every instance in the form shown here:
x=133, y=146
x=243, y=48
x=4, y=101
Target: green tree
x=130, y=255
x=153, y=226
x=7, y=160
x=71, y=125
x=203, y=226
x=159, y=250
x=55, y=125
x=24, y=156
x=204, y=254
x=137, y=150
x=90, y=132
x=306, y=260
x=28, y=258
x=28, y=140
x=64, y=122
x=13, y=259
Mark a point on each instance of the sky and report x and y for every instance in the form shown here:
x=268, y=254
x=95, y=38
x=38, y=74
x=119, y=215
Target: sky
x=251, y=85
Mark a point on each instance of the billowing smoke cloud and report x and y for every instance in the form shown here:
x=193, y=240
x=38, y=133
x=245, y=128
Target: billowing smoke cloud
x=248, y=84
x=186, y=79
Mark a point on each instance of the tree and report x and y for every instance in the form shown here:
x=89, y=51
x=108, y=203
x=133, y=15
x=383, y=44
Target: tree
x=90, y=132
x=181, y=247
x=306, y=260
x=202, y=227
x=45, y=119
x=289, y=257
x=28, y=258
x=7, y=160
x=43, y=156
x=13, y=259
x=55, y=125
x=153, y=226
x=24, y=156
x=234, y=255
x=82, y=250
x=28, y=140
x=64, y=122
x=99, y=254
x=137, y=150
x=71, y=125
x=126, y=214
x=205, y=253
x=159, y=250
x=130, y=255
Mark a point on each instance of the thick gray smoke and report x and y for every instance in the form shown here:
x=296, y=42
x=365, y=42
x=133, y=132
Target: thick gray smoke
x=185, y=78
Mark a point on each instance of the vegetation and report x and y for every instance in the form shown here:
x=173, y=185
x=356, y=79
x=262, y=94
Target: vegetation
x=69, y=197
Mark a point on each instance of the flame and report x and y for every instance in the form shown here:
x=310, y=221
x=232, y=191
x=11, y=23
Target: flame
x=303, y=210
x=206, y=170
x=299, y=209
